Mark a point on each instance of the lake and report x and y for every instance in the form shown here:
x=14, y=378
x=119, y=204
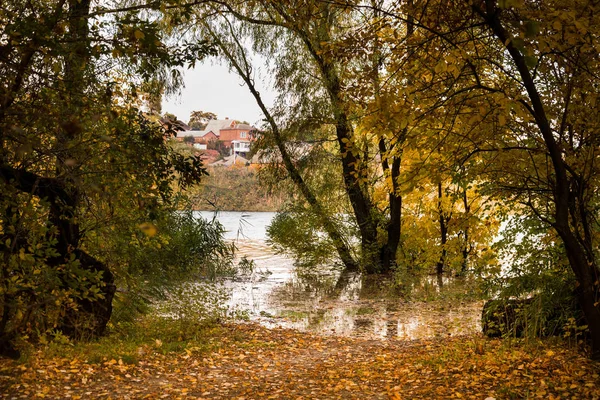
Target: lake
x=326, y=301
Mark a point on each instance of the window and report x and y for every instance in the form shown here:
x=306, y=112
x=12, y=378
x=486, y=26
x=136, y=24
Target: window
x=243, y=134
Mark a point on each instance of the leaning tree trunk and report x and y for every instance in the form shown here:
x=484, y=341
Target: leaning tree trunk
x=326, y=221
x=361, y=205
x=352, y=171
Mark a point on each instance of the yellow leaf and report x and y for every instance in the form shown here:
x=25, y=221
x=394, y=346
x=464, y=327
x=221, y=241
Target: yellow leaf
x=549, y=353
x=139, y=34
x=557, y=25
x=149, y=229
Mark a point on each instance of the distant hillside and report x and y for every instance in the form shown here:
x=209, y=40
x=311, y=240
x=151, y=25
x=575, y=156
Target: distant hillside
x=233, y=188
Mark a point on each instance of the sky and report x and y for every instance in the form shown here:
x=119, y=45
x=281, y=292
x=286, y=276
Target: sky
x=211, y=87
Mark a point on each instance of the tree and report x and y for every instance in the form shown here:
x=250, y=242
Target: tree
x=199, y=119
x=315, y=70
x=533, y=70
x=189, y=139
x=70, y=139
x=170, y=117
x=235, y=54
x=556, y=65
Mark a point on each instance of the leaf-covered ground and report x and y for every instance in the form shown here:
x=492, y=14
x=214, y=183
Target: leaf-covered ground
x=249, y=361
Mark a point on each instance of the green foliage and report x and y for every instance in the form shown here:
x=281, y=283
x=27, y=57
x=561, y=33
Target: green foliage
x=33, y=297
x=132, y=341
x=199, y=119
x=218, y=146
x=191, y=304
x=155, y=257
x=297, y=231
x=535, y=266
x=79, y=161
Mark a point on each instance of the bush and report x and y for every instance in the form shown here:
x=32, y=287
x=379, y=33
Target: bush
x=160, y=256
x=298, y=233
x=536, y=269
x=193, y=304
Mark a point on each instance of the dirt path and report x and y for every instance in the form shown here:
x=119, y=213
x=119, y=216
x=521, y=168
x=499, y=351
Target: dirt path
x=251, y=362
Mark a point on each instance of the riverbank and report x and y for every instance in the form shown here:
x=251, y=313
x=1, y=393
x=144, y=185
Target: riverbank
x=225, y=361
x=234, y=188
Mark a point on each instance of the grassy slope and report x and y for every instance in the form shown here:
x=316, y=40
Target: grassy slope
x=233, y=189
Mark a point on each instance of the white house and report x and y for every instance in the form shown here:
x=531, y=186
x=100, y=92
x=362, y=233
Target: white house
x=240, y=147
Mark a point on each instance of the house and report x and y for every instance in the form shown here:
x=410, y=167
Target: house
x=199, y=137
x=238, y=138
x=232, y=134
x=237, y=132
x=210, y=132
x=217, y=125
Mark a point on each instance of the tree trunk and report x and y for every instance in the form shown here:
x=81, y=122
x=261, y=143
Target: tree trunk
x=91, y=317
x=466, y=247
x=394, y=224
x=352, y=170
x=361, y=205
x=443, y=220
x=584, y=267
x=587, y=276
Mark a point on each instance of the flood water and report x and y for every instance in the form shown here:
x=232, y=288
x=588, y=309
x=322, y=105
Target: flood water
x=324, y=300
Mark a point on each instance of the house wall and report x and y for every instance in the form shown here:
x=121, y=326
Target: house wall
x=206, y=138
x=227, y=135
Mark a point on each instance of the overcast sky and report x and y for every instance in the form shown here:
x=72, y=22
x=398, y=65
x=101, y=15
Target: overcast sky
x=211, y=87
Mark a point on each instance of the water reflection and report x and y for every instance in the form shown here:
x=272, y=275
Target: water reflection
x=328, y=301
x=325, y=300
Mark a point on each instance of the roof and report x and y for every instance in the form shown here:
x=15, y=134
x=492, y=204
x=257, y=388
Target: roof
x=216, y=125
x=194, y=133
x=230, y=160
x=241, y=126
